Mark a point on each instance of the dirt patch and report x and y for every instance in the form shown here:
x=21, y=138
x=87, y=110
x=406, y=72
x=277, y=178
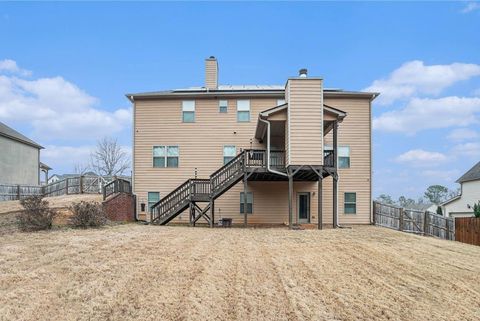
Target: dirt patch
x=141, y=272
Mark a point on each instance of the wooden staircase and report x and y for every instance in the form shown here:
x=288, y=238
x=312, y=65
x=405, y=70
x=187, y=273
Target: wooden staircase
x=201, y=190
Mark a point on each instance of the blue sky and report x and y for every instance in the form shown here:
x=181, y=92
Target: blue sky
x=65, y=67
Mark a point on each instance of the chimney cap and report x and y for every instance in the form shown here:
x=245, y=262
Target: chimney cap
x=303, y=72
x=212, y=57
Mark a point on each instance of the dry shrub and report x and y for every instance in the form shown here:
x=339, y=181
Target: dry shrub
x=87, y=214
x=36, y=216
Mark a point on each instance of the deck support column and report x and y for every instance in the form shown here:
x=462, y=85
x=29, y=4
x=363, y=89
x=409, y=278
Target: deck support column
x=245, y=200
x=212, y=211
x=320, y=201
x=335, y=175
x=192, y=213
x=290, y=200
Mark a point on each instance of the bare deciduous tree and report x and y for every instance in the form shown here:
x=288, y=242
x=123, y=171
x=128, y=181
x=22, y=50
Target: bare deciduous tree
x=108, y=158
x=81, y=168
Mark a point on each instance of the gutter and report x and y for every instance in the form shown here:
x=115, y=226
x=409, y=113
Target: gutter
x=268, y=149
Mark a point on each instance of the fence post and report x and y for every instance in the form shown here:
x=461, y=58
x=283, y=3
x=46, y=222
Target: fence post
x=425, y=215
x=427, y=224
x=18, y=191
x=374, y=208
x=66, y=186
x=447, y=229
x=81, y=184
x=400, y=219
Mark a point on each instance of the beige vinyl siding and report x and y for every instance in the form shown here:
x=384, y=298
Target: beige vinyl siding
x=305, y=119
x=211, y=73
x=355, y=132
x=159, y=122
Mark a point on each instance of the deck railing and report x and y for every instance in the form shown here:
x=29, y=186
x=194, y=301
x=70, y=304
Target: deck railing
x=117, y=186
x=328, y=158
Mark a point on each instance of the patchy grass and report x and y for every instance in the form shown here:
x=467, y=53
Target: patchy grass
x=138, y=272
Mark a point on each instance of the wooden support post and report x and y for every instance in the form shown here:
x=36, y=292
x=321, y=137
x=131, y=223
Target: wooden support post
x=212, y=211
x=245, y=198
x=81, y=184
x=320, y=203
x=193, y=213
x=290, y=200
x=18, y=191
x=66, y=186
x=447, y=230
x=335, y=176
x=335, y=201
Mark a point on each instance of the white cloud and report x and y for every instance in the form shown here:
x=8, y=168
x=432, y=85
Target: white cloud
x=462, y=134
x=447, y=176
x=420, y=157
x=427, y=113
x=414, y=78
x=467, y=149
x=471, y=6
x=57, y=109
x=10, y=66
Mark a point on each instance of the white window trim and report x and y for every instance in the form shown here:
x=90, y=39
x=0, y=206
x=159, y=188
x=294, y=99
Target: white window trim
x=345, y=202
x=246, y=209
x=188, y=106
x=243, y=105
x=165, y=156
x=220, y=106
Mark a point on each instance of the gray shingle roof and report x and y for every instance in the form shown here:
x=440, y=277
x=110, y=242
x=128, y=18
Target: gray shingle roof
x=13, y=134
x=472, y=175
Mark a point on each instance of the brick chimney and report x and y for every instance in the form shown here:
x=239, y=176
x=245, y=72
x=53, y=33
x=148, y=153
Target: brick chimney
x=211, y=73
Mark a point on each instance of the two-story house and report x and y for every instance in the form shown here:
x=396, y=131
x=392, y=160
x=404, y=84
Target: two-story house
x=292, y=154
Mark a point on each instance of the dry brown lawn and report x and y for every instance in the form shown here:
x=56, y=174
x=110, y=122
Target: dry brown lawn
x=140, y=272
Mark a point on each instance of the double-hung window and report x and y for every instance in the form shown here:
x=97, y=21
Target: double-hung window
x=165, y=156
x=153, y=197
x=223, y=106
x=243, y=110
x=229, y=153
x=249, y=202
x=343, y=157
x=350, y=203
x=188, y=111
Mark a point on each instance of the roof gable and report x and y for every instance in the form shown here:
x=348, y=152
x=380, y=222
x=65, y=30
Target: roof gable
x=471, y=175
x=13, y=134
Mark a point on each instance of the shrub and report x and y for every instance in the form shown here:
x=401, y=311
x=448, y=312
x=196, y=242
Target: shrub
x=476, y=209
x=439, y=210
x=37, y=215
x=87, y=214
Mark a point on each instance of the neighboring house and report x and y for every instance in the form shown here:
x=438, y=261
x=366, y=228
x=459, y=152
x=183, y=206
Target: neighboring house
x=19, y=158
x=462, y=205
x=279, y=140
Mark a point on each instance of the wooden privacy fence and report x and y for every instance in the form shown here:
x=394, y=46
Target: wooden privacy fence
x=71, y=185
x=467, y=230
x=413, y=221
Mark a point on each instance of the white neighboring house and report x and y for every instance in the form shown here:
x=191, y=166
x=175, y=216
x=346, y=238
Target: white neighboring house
x=462, y=205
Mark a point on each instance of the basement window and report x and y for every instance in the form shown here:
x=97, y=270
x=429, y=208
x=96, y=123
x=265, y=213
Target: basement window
x=188, y=111
x=229, y=153
x=243, y=111
x=165, y=156
x=223, y=106
x=249, y=202
x=153, y=197
x=350, y=203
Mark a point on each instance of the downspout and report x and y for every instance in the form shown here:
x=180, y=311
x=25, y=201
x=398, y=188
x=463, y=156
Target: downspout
x=268, y=149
